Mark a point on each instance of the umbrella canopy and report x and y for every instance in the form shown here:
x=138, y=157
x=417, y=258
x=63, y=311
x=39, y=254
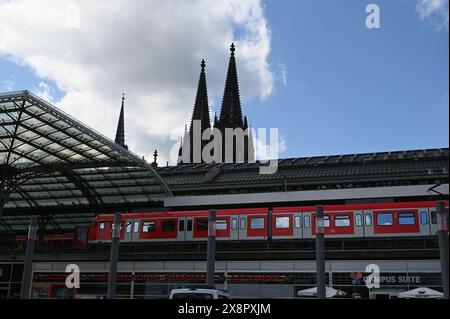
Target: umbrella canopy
x=329, y=292
x=421, y=292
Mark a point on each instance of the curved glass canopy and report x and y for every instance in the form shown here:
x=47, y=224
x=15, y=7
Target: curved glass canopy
x=49, y=160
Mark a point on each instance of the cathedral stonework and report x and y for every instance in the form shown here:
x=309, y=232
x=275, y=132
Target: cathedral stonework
x=229, y=140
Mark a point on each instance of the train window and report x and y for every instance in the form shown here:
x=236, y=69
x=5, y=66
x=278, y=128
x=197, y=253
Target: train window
x=385, y=219
x=101, y=225
x=221, y=224
x=128, y=227
x=136, y=227
x=297, y=221
x=358, y=221
x=148, y=227
x=168, y=226
x=307, y=221
x=369, y=219
x=326, y=221
x=281, y=222
x=433, y=217
x=406, y=219
x=243, y=223
x=424, y=218
x=342, y=221
x=181, y=225
x=202, y=224
x=257, y=223
x=189, y=225
x=234, y=223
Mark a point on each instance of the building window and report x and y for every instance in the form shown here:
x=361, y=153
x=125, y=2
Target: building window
x=243, y=223
x=406, y=219
x=385, y=219
x=234, y=223
x=281, y=222
x=101, y=225
x=358, y=220
x=189, y=225
x=181, y=225
x=342, y=221
x=368, y=219
x=424, y=218
x=148, y=227
x=221, y=224
x=168, y=226
x=297, y=221
x=202, y=224
x=307, y=221
x=257, y=223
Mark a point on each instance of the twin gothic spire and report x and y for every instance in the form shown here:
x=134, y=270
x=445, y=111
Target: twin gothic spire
x=230, y=113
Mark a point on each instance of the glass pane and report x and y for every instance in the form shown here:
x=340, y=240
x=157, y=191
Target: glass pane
x=326, y=221
x=136, y=227
x=181, y=225
x=342, y=221
x=368, y=219
x=189, y=225
x=307, y=222
x=221, y=224
x=406, y=219
x=128, y=227
x=433, y=217
x=385, y=219
x=423, y=218
x=297, y=221
x=281, y=222
x=358, y=220
x=242, y=223
x=168, y=226
x=234, y=223
x=148, y=227
x=101, y=225
x=257, y=223
x=202, y=224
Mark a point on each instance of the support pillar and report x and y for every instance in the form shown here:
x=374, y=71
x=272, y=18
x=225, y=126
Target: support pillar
x=211, y=255
x=443, y=245
x=320, y=253
x=113, y=261
x=27, y=276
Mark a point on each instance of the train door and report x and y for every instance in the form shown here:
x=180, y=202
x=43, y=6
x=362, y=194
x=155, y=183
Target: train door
x=189, y=230
x=297, y=225
x=358, y=218
x=307, y=224
x=181, y=229
x=242, y=224
x=132, y=230
x=424, y=222
x=368, y=221
x=234, y=227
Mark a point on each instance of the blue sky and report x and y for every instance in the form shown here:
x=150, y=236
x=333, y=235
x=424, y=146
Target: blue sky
x=351, y=89
x=347, y=89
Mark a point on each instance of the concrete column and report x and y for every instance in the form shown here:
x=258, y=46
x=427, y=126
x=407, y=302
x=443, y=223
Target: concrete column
x=443, y=245
x=27, y=276
x=320, y=253
x=113, y=261
x=211, y=257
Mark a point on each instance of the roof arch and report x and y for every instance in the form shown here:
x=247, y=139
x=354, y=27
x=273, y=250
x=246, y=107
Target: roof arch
x=49, y=159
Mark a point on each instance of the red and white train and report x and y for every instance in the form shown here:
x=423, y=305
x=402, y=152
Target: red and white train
x=340, y=221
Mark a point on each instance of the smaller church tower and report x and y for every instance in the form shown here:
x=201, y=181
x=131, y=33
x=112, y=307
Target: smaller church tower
x=120, y=133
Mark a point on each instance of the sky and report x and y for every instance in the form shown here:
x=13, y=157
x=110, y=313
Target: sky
x=310, y=68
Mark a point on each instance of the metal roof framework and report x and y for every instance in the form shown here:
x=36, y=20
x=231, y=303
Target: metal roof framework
x=50, y=162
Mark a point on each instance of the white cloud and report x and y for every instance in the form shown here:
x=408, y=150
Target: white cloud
x=435, y=11
x=267, y=146
x=151, y=50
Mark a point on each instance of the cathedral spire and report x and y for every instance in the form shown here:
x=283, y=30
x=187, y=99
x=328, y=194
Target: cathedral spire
x=201, y=108
x=120, y=133
x=231, y=112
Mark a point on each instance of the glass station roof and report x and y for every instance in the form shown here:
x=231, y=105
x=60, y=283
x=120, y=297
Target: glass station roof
x=49, y=159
